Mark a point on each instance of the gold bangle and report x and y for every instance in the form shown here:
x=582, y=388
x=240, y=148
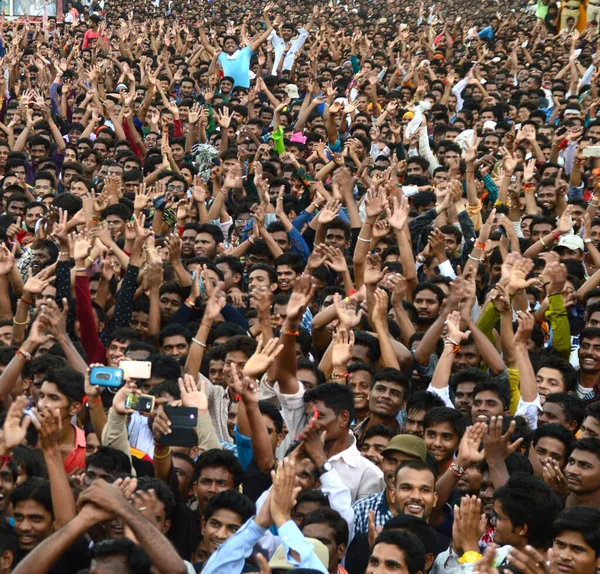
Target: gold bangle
x=157, y=457
x=15, y=322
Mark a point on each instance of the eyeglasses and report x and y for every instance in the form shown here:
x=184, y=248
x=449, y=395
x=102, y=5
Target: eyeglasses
x=175, y=188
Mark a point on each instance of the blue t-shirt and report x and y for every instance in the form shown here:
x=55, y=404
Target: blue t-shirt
x=239, y=67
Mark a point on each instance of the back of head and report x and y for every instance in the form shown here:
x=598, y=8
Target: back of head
x=136, y=559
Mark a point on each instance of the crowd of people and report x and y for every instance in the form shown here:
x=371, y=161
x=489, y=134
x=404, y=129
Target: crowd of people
x=309, y=287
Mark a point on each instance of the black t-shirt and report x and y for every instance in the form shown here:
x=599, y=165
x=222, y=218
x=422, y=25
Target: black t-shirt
x=255, y=481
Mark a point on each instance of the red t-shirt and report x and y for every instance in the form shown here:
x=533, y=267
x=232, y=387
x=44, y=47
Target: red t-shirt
x=76, y=458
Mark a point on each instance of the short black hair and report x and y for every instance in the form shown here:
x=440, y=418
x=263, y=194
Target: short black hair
x=557, y=432
x=423, y=400
x=217, y=458
x=8, y=540
x=162, y=490
x=333, y=519
x=440, y=415
x=338, y=398
x=269, y=409
x=582, y=519
x=110, y=460
x=231, y=500
x=246, y=345
x=409, y=544
x=497, y=386
x=392, y=375
x=365, y=339
x=572, y=406
x=136, y=559
x=68, y=381
x=35, y=488
x=528, y=501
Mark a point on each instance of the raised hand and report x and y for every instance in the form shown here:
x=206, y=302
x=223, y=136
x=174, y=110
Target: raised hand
x=379, y=312
x=375, y=203
x=453, y=326
x=302, y=294
x=399, y=216
x=215, y=303
x=518, y=276
x=342, y=348
x=373, y=272
x=285, y=492
x=7, y=258
x=15, y=424
x=497, y=445
x=191, y=396
x=262, y=359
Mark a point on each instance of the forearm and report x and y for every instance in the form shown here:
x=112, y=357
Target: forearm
x=488, y=351
x=41, y=559
x=388, y=356
x=507, y=337
x=161, y=552
x=73, y=357
x=194, y=358
x=286, y=362
x=63, y=502
x=5, y=307
x=443, y=370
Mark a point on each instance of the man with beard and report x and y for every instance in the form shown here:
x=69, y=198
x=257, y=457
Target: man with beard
x=427, y=299
x=401, y=448
x=583, y=474
x=414, y=489
x=188, y=241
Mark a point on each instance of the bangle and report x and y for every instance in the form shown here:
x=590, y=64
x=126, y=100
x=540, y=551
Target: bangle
x=93, y=403
x=588, y=240
x=25, y=302
x=15, y=322
x=80, y=270
x=449, y=340
x=190, y=302
x=65, y=253
x=555, y=235
x=339, y=376
x=206, y=325
x=478, y=259
x=457, y=470
x=363, y=239
x=94, y=219
x=480, y=245
x=224, y=191
x=251, y=240
x=25, y=354
x=156, y=456
x=542, y=242
x=291, y=333
x=194, y=340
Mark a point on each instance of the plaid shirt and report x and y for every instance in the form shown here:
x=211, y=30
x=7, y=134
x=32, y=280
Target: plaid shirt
x=376, y=502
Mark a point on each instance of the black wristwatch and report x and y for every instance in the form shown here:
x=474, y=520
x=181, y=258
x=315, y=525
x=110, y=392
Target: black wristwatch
x=325, y=467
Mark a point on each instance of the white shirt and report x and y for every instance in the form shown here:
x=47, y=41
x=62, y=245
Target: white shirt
x=279, y=47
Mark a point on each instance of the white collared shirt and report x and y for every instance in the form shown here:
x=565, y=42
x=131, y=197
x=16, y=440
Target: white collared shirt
x=279, y=47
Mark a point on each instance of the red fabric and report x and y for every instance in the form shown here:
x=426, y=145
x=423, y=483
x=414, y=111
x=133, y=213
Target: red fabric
x=178, y=129
x=90, y=340
x=76, y=458
x=136, y=150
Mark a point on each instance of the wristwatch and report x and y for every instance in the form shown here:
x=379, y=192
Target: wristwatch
x=325, y=467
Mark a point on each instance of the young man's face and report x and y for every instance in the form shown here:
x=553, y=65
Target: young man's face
x=486, y=404
x=7, y=484
x=504, y=531
x=467, y=356
x=550, y=449
x=390, y=462
x=169, y=303
x=590, y=428
x=237, y=359
x=359, y=383
x=323, y=532
x=336, y=238
x=285, y=277
x=549, y=381
x=221, y=526
x=372, y=447
x=176, y=346
x=116, y=352
x=386, y=399
x=463, y=398
x=589, y=355
x=211, y=481
x=386, y=559
x=427, y=305
x=260, y=278
x=33, y=524
x=583, y=472
x=51, y=398
x=553, y=413
x=441, y=441
x=414, y=493
x=32, y=215
x=414, y=422
x=571, y=553
x=205, y=245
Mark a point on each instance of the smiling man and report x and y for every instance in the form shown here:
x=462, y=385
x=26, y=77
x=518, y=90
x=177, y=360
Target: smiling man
x=414, y=489
x=589, y=364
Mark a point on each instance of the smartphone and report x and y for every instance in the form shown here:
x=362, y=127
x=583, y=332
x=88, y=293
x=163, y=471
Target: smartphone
x=136, y=369
x=110, y=377
x=141, y=403
x=183, y=426
x=201, y=285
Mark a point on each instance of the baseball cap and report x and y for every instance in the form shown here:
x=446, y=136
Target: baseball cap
x=571, y=242
x=407, y=444
x=292, y=91
x=278, y=560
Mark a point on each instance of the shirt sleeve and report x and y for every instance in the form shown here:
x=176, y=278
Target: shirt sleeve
x=340, y=497
x=559, y=320
x=90, y=340
x=124, y=302
x=231, y=555
x=293, y=539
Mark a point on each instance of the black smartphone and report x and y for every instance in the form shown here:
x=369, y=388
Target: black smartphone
x=183, y=426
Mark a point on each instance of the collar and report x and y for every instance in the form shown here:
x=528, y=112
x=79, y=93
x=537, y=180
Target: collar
x=233, y=56
x=79, y=437
x=350, y=455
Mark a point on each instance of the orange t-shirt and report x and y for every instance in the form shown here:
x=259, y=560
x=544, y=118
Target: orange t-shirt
x=76, y=458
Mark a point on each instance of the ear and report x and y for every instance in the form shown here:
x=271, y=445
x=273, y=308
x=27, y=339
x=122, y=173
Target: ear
x=194, y=452
x=341, y=551
x=237, y=278
x=273, y=287
x=27, y=387
x=429, y=558
x=572, y=426
x=167, y=526
x=202, y=524
x=435, y=499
